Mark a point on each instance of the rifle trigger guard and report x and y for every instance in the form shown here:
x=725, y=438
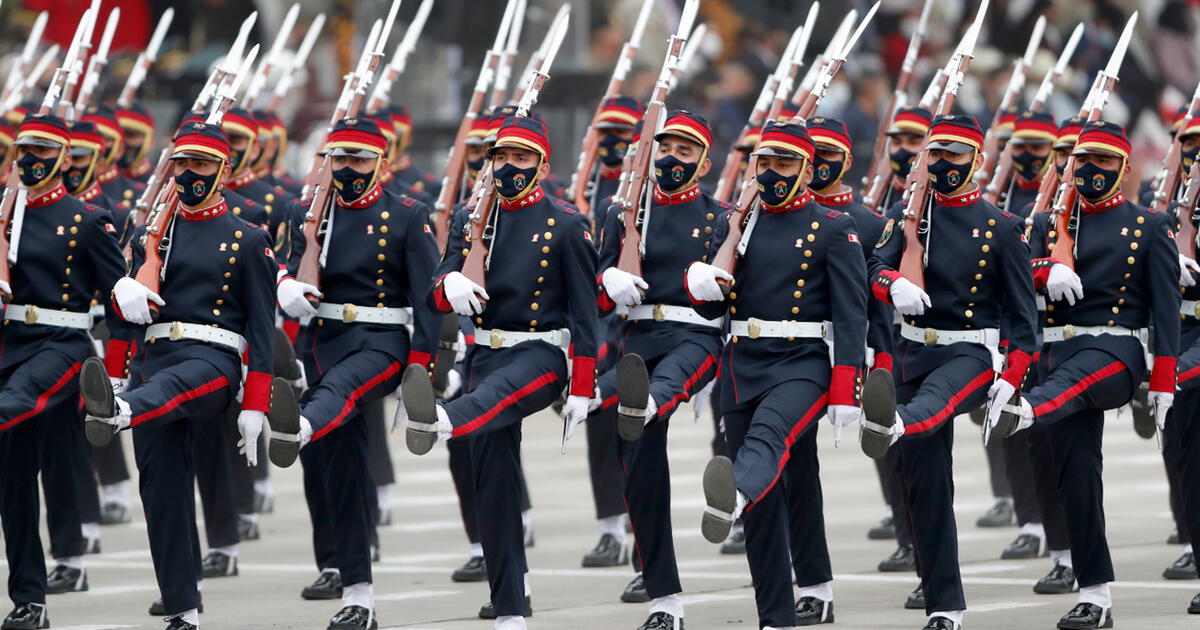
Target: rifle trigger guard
x=923, y=226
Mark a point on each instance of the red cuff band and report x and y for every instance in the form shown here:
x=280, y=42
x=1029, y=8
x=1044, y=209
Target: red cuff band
x=843, y=384
x=1162, y=377
x=1018, y=365
x=439, y=296
x=114, y=357
x=884, y=361
x=583, y=376
x=882, y=287
x=419, y=358
x=256, y=392
x=1041, y=271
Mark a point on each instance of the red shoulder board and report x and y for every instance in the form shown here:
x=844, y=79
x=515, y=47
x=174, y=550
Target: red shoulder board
x=833, y=214
x=108, y=227
x=726, y=205
x=269, y=252
x=1150, y=210
x=408, y=201
x=1006, y=214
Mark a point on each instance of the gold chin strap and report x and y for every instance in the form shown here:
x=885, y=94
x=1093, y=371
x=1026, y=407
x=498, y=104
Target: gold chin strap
x=217, y=185
x=370, y=183
x=970, y=176
x=89, y=176
x=798, y=186
x=532, y=184
x=245, y=162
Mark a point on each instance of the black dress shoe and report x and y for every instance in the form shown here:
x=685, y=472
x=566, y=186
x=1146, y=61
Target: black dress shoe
x=635, y=591
x=1173, y=537
x=1085, y=616
x=488, y=610
x=1001, y=514
x=353, y=618
x=247, y=529
x=26, y=617
x=885, y=529
x=475, y=570
x=940, y=623
x=158, y=610
x=328, y=585
x=65, y=579
x=114, y=514
x=1143, y=417
x=1059, y=581
x=217, y=564
x=662, y=621
x=1026, y=546
x=1194, y=607
x=98, y=399
x=811, y=611
x=633, y=394
x=607, y=553
x=177, y=623
x=902, y=559
x=915, y=599
x=735, y=545
x=1182, y=569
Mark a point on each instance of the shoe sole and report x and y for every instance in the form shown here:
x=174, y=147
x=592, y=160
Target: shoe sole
x=633, y=391
x=879, y=407
x=1006, y=425
x=911, y=605
x=1180, y=575
x=284, y=417
x=1143, y=421
x=468, y=577
x=492, y=614
x=738, y=550
x=446, y=352
x=720, y=493
x=421, y=405
x=159, y=612
x=874, y=534
x=1024, y=555
x=896, y=568
x=284, y=357
x=816, y=622
x=345, y=626
x=98, y=400
x=1108, y=623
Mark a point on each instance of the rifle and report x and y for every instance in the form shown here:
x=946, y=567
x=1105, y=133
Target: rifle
x=17, y=73
x=508, y=55
x=1167, y=180
x=97, y=63
x=383, y=87
x=226, y=68
x=145, y=60
x=880, y=168
x=483, y=198
x=455, y=166
x=267, y=65
x=999, y=182
x=912, y=262
x=1063, y=250
x=577, y=190
x=688, y=57
x=534, y=62
x=1185, y=238
x=297, y=62
x=1016, y=83
x=63, y=106
x=739, y=230
x=836, y=43
x=25, y=84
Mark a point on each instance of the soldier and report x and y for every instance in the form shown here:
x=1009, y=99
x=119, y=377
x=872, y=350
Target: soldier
x=536, y=338
x=1033, y=135
x=1182, y=427
x=1095, y=338
x=122, y=190
x=45, y=338
x=950, y=351
x=906, y=136
x=799, y=271
x=135, y=161
x=615, y=128
x=243, y=132
x=187, y=372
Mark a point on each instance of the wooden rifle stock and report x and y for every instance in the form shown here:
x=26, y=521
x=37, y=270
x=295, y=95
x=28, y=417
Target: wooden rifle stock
x=1185, y=238
x=309, y=269
x=149, y=274
x=475, y=265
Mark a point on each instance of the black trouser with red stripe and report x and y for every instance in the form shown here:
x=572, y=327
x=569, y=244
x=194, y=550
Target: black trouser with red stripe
x=1070, y=402
x=806, y=514
x=603, y=443
x=357, y=380
x=1183, y=434
x=761, y=434
x=215, y=451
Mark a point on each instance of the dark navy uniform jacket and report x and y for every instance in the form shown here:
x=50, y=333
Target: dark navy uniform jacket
x=1129, y=264
x=1019, y=200
x=121, y=189
x=977, y=276
x=394, y=185
x=419, y=182
x=804, y=263
x=603, y=188
x=274, y=200
x=542, y=277
x=382, y=255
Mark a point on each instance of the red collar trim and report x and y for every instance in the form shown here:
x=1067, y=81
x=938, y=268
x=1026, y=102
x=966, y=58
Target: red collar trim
x=108, y=176
x=800, y=201
x=958, y=201
x=58, y=192
x=670, y=199
x=610, y=173
x=207, y=213
x=1111, y=202
x=90, y=194
x=836, y=199
x=529, y=199
x=363, y=201
x=241, y=180
x=1024, y=185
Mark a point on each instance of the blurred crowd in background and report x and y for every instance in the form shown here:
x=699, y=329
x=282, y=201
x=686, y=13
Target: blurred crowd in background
x=743, y=44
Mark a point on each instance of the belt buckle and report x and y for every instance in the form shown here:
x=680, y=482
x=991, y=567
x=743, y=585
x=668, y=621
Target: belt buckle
x=349, y=313
x=754, y=327
x=1197, y=310
x=1069, y=331
x=31, y=314
x=660, y=312
x=497, y=340
x=176, y=331
x=931, y=337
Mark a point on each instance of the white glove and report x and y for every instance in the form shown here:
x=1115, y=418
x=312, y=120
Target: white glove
x=908, y=298
x=702, y=398
x=998, y=395
x=1187, y=267
x=4, y=288
x=291, y=295
x=250, y=426
x=702, y=282
x=118, y=384
x=574, y=411
x=463, y=294
x=1161, y=402
x=401, y=416
x=1064, y=284
x=623, y=286
x=841, y=416
x=132, y=297
x=453, y=384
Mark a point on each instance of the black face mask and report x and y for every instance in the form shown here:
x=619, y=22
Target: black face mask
x=1187, y=158
x=671, y=173
x=612, y=149
x=237, y=157
x=34, y=170
x=512, y=181
x=775, y=189
x=474, y=166
x=351, y=184
x=1095, y=183
x=901, y=162
x=826, y=172
x=193, y=188
x=947, y=177
x=128, y=158
x=1028, y=165
x=75, y=179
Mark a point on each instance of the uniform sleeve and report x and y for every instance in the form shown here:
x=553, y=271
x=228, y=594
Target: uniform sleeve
x=580, y=282
x=259, y=304
x=421, y=257
x=881, y=267
x=1163, y=278
x=612, y=229
x=1020, y=308
x=104, y=249
x=291, y=248
x=848, y=297
x=452, y=260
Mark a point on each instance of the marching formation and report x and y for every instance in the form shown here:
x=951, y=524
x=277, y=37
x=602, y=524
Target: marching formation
x=181, y=290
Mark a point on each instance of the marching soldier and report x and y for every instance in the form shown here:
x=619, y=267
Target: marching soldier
x=905, y=139
x=798, y=305
x=1095, y=335
x=534, y=339
x=188, y=371
x=1182, y=428
x=122, y=190
x=242, y=130
x=45, y=338
x=615, y=127
x=949, y=354
x=135, y=161
x=1032, y=138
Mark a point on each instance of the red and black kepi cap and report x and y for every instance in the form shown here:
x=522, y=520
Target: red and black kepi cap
x=1034, y=128
x=523, y=132
x=199, y=140
x=620, y=112
x=955, y=133
x=1103, y=137
x=829, y=133
x=786, y=140
x=43, y=130
x=689, y=126
x=356, y=137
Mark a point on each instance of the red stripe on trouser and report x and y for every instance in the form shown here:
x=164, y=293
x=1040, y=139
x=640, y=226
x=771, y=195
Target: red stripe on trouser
x=791, y=439
x=948, y=410
x=687, y=386
x=506, y=402
x=40, y=404
x=207, y=388
x=1189, y=374
x=354, y=396
x=610, y=401
x=1078, y=388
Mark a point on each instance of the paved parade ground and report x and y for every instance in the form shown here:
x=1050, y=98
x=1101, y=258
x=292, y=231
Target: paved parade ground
x=426, y=542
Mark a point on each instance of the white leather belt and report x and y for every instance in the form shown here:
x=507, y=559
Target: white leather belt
x=1190, y=308
x=1041, y=302
x=35, y=315
x=755, y=328
x=1051, y=334
x=669, y=313
x=353, y=313
x=176, y=331
x=987, y=337
x=496, y=339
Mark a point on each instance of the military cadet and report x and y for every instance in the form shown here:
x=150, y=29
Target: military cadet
x=906, y=136
x=949, y=354
x=135, y=161
x=615, y=128
x=122, y=190
x=536, y=338
x=387, y=178
x=243, y=132
x=798, y=305
x=1095, y=335
x=1182, y=428
x=1033, y=135
x=45, y=338
x=188, y=371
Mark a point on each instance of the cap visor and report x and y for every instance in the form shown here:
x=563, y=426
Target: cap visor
x=356, y=153
x=194, y=155
x=953, y=147
x=613, y=125
x=1095, y=151
x=80, y=151
x=1019, y=141
x=34, y=141
x=774, y=152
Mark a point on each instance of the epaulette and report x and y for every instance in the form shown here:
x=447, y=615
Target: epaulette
x=407, y=201
x=91, y=207
x=833, y=214
x=725, y=205
x=565, y=205
x=1006, y=214
x=1150, y=210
